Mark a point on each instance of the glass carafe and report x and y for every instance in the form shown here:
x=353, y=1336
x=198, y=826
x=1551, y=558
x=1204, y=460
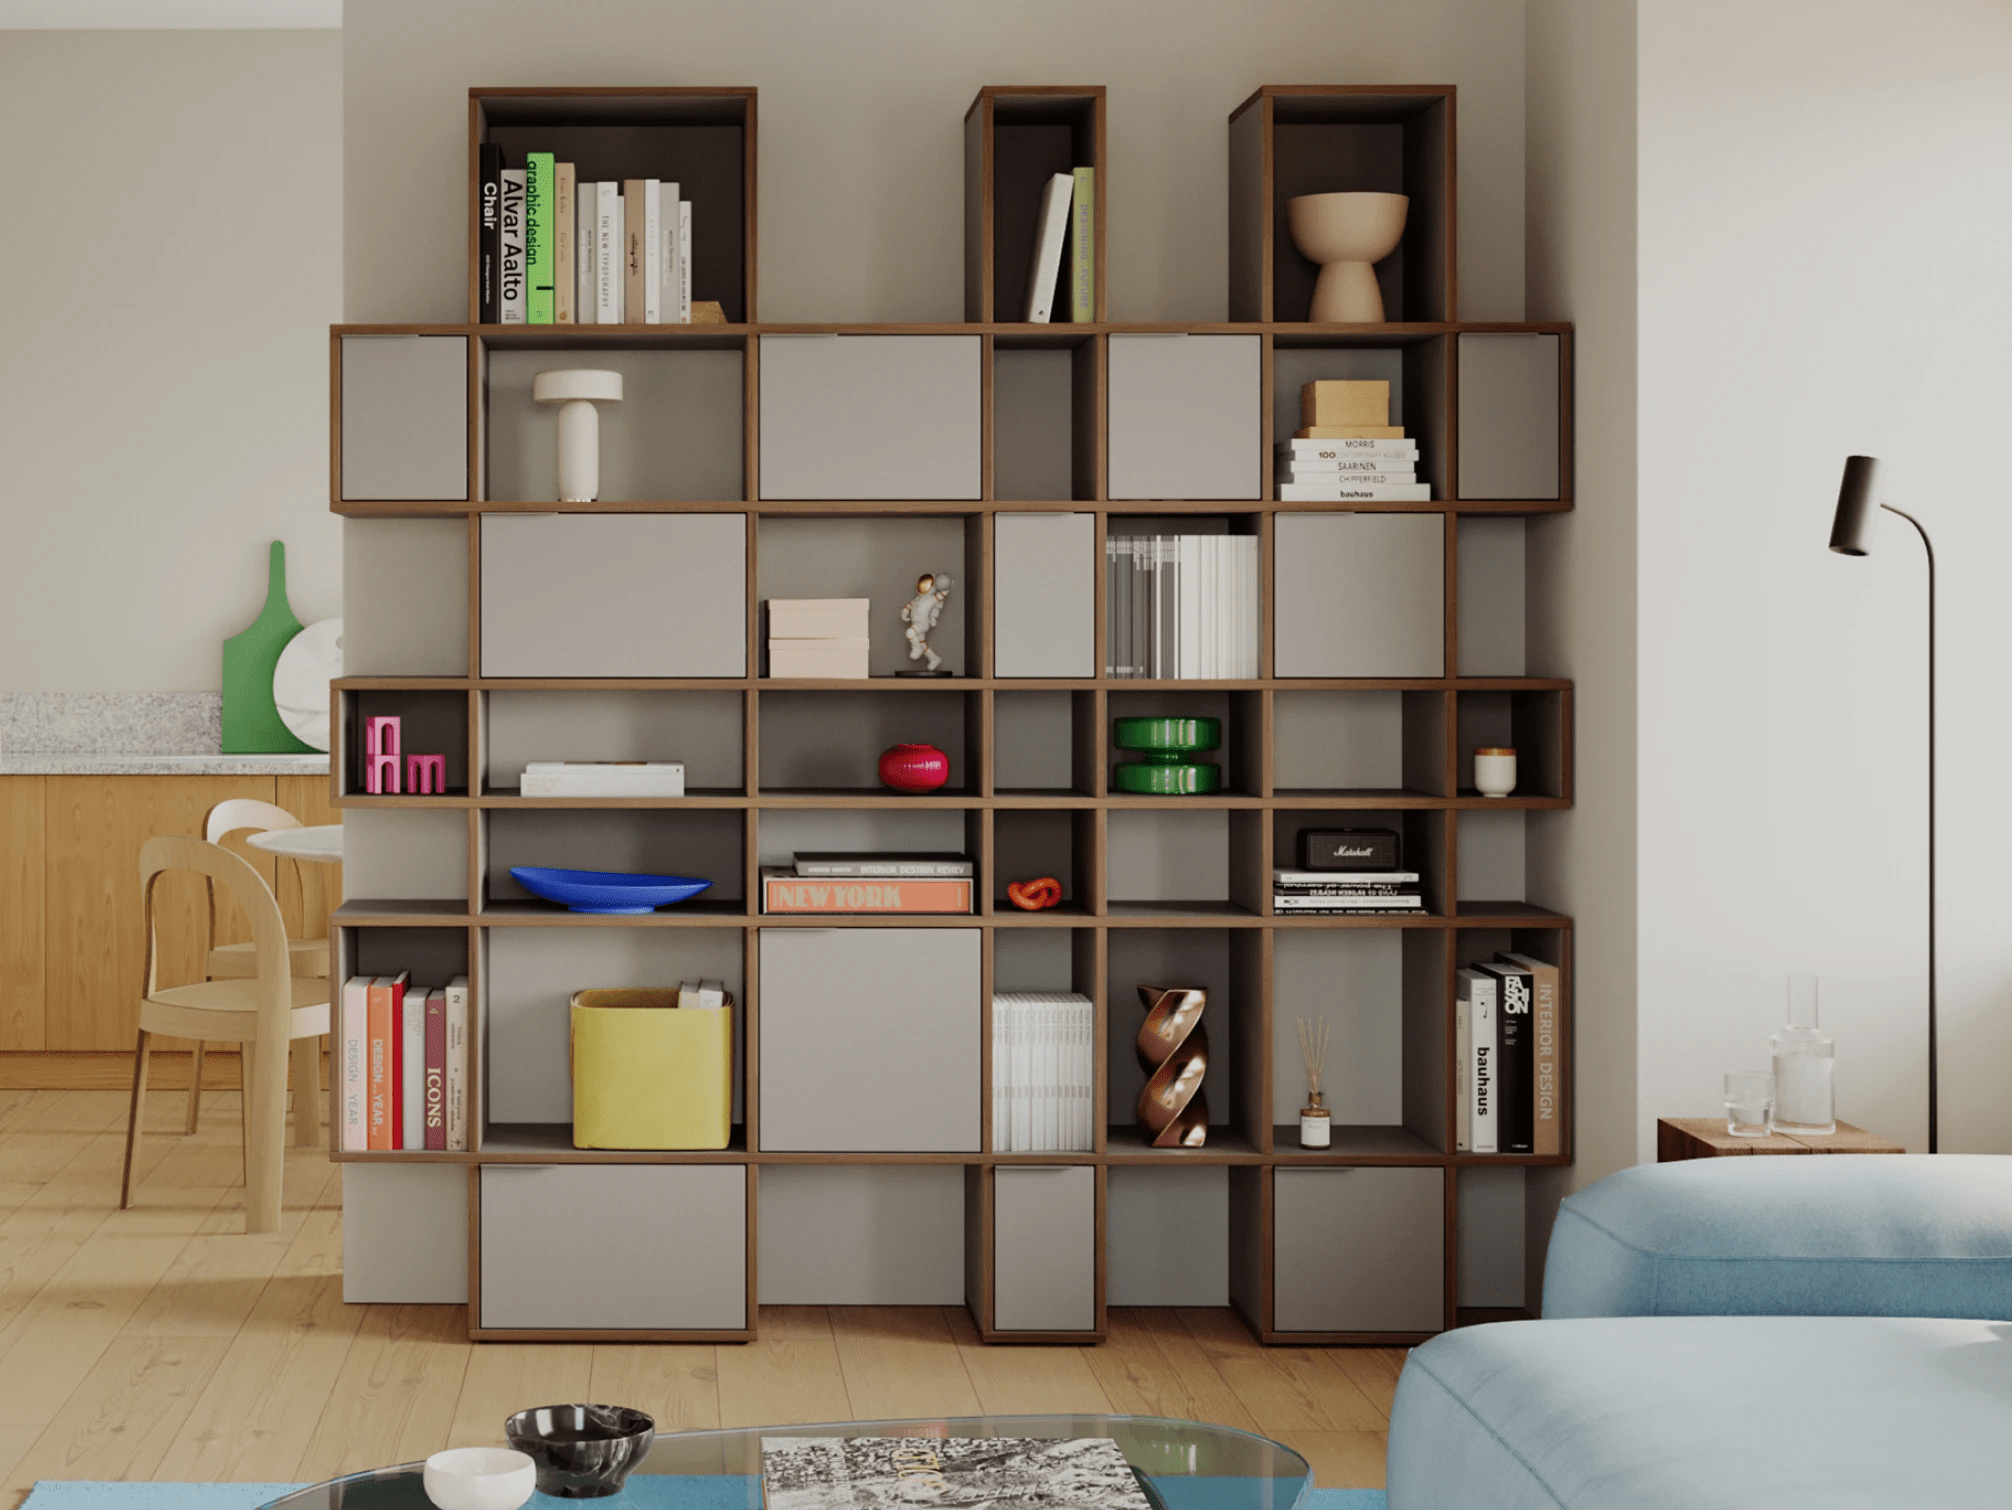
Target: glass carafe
x=1805, y=1099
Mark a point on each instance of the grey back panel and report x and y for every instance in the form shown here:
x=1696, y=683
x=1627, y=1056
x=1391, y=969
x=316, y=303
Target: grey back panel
x=1185, y=416
x=1044, y=574
x=1360, y=595
x=1491, y=597
x=870, y=416
x=404, y=597
x=1359, y=1250
x=614, y=595
x=1044, y=1248
x=405, y=417
x=614, y=1246
x=869, y=1040
x=1352, y=979
x=405, y=1234
x=414, y=853
x=824, y=1229
x=1509, y=416
x=703, y=730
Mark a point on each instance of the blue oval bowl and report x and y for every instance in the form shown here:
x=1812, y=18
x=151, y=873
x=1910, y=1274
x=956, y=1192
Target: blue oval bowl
x=606, y=890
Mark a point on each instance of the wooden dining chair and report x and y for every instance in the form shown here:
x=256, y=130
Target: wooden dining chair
x=309, y=956
x=263, y=1013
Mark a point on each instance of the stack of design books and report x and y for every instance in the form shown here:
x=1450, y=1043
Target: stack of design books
x=1347, y=449
x=1508, y=1025
x=1041, y=1072
x=868, y=881
x=402, y=1060
x=1345, y=893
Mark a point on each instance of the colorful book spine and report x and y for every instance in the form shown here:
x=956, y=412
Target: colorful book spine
x=608, y=253
x=1083, y=248
x=352, y=1065
x=539, y=196
x=565, y=245
x=510, y=256
x=489, y=224
x=412, y=1070
x=1547, y=1105
x=378, y=1066
x=435, y=1089
x=783, y=892
x=459, y=1064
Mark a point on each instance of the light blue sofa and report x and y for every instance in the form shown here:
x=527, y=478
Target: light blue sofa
x=1723, y=1333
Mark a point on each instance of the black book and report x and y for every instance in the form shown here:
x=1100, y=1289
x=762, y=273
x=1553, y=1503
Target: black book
x=489, y=225
x=1515, y=1057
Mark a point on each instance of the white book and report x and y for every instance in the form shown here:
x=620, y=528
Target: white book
x=512, y=279
x=1322, y=492
x=459, y=1064
x=712, y=995
x=1376, y=469
x=354, y=1031
x=586, y=252
x=1463, y=1071
x=653, y=252
x=670, y=287
x=1479, y=988
x=1049, y=230
x=684, y=262
x=1338, y=448
x=544, y=778
x=608, y=227
x=1344, y=877
x=412, y=1070
x=1344, y=903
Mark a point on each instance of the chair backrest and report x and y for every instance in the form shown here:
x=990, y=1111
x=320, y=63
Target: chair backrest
x=248, y=888
x=245, y=812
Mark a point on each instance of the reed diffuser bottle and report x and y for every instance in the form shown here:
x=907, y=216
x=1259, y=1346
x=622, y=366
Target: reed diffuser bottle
x=1316, y=1127
x=1804, y=1088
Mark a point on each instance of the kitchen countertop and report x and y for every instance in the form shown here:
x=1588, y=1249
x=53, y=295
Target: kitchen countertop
x=53, y=763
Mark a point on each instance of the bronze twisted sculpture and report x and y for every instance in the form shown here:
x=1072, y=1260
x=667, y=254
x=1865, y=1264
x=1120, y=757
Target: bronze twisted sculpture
x=1174, y=1052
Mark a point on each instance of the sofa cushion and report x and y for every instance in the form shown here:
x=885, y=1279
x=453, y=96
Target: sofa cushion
x=1823, y=1235
x=1675, y=1413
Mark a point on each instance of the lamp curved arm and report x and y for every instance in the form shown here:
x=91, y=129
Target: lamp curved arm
x=1928, y=545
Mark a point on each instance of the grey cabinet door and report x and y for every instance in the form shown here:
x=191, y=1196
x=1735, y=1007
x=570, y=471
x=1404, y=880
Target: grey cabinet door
x=1359, y=1250
x=869, y=1040
x=1508, y=410
x=1044, y=594
x=616, y=1247
x=405, y=417
x=1359, y=595
x=1185, y=417
x=1044, y=1249
x=614, y=595
x=870, y=416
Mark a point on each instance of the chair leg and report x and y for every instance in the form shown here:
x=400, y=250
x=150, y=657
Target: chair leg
x=265, y=1133
x=195, y=1088
x=134, y=1117
x=306, y=1055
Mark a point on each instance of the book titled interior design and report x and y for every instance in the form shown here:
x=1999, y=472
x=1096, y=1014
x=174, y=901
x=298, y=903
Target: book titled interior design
x=878, y=1473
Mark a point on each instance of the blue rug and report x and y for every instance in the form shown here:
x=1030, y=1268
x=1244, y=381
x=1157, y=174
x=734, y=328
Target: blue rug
x=647, y=1491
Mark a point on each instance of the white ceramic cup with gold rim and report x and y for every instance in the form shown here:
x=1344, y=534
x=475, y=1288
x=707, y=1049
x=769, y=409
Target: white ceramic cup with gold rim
x=1494, y=771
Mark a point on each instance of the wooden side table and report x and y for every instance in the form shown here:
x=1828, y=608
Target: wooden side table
x=1679, y=1138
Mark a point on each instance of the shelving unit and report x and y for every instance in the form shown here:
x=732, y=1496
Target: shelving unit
x=1155, y=889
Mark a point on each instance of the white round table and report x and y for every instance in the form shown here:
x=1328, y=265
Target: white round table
x=321, y=844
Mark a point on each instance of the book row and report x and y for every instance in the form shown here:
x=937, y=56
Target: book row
x=1063, y=274
x=1182, y=606
x=1043, y=1063
x=554, y=251
x=1507, y=1036
x=403, y=1064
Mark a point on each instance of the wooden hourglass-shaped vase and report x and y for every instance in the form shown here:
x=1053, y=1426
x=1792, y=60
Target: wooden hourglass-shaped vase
x=1347, y=234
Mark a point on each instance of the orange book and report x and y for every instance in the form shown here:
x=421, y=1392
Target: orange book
x=784, y=891
x=386, y=993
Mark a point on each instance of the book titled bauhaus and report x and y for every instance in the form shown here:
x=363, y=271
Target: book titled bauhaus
x=783, y=891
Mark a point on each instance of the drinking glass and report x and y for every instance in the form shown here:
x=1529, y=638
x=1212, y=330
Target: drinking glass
x=1749, y=1103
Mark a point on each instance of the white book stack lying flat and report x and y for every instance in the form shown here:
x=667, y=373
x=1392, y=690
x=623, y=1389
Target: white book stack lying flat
x=603, y=778
x=1317, y=471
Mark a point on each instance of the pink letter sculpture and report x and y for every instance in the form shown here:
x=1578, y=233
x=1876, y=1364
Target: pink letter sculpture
x=425, y=775
x=380, y=756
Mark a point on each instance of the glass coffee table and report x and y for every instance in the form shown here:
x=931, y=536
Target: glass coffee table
x=1184, y=1465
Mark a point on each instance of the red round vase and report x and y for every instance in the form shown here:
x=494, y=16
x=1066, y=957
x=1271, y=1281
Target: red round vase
x=914, y=768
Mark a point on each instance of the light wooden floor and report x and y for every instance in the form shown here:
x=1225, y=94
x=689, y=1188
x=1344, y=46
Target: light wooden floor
x=163, y=1343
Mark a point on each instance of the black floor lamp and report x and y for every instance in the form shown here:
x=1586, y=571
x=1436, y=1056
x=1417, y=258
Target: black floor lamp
x=1851, y=535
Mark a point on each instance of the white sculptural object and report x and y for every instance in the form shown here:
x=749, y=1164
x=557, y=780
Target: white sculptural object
x=920, y=614
x=576, y=391
x=1347, y=234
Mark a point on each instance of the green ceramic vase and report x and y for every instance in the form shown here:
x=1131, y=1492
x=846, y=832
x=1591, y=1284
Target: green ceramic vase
x=1167, y=745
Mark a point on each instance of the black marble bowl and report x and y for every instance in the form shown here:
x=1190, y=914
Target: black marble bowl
x=583, y=1452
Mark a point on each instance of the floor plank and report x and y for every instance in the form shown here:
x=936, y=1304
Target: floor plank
x=1284, y=1388
x=788, y=1376
x=677, y=1387
x=1341, y=1459
x=1027, y=1381
x=503, y=1378
x=394, y=1399
x=1146, y=1369
x=901, y=1361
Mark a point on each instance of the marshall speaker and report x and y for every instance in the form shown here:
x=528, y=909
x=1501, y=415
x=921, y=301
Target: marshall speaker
x=1350, y=849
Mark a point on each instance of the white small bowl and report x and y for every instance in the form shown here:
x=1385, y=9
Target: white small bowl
x=480, y=1478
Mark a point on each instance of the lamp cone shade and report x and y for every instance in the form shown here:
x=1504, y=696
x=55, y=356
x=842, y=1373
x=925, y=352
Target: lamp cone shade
x=1857, y=503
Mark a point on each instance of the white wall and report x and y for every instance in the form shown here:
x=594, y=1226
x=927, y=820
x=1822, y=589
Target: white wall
x=1580, y=221
x=163, y=386
x=1824, y=229
x=861, y=122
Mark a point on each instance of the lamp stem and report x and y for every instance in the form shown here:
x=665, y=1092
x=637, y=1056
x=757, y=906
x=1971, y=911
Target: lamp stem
x=1929, y=546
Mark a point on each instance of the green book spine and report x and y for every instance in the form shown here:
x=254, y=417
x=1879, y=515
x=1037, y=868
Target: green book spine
x=540, y=199
x=1083, y=257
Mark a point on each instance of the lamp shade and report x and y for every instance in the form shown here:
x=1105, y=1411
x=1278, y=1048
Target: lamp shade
x=1857, y=502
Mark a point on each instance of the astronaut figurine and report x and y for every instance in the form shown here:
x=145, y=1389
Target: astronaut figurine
x=920, y=614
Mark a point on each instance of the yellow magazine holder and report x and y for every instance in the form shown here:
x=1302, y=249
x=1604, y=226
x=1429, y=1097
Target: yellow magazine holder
x=650, y=1074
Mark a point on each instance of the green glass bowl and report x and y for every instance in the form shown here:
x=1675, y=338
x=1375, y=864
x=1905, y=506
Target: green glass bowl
x=1178, y=736
x=1167, y=778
